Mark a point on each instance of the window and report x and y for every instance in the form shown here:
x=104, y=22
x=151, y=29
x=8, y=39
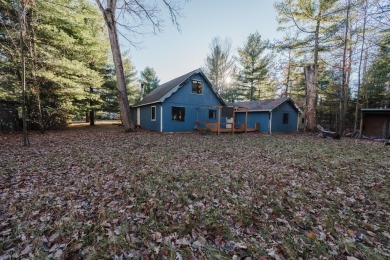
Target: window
x=197, y=87
x=153, y=113
x=285, y=118
x=212, y=114
x=303, y=120
x=178, y=113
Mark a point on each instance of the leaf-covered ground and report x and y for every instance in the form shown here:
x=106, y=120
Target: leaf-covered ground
x=99, y=192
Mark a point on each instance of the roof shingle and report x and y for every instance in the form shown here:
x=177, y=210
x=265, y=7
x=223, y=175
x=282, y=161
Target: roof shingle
x=159, y=92
x=261, y=105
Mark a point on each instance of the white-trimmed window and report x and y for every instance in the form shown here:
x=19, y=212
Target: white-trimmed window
x=153, y=113
x=197, y=87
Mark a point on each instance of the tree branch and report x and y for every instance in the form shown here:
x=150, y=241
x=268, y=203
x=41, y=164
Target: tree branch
x=100, y=5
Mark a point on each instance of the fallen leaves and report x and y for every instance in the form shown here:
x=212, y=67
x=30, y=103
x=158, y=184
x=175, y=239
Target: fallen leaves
x=147, y=195
x=311, y=235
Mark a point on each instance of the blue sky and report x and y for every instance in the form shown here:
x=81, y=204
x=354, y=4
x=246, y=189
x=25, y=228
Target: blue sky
x=172, y=53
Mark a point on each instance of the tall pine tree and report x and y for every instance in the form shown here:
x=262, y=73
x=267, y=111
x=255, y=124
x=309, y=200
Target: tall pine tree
x=253, y=67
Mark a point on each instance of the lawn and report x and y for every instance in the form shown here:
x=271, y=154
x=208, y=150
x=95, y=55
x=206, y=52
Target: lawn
x=101, y=193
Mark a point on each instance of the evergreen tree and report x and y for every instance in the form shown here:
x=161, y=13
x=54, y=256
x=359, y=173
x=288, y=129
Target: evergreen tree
x=253, y=67
x=66, y=52
x=109, y=88
x=149, y=80
x=376, y=87
x=71, y=52
x=9, y=51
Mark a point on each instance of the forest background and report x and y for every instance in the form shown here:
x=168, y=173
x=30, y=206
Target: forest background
x=343, y=46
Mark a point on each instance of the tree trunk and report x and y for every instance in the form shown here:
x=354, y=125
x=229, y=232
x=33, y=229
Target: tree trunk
x=343, y=88
x=87, y=119
x=22, y=19
x=365, y=65
x=109, y=17
x=91, y=118
x=92, y=112
x=349, y=72
x=360, y=69
x=288, y=73
x=311, y=97
x=35, y=87
x=311, y=78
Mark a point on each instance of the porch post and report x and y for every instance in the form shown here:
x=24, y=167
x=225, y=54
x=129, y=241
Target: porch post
x=246, y=119
x=234, y=118
x=219, y=119
x=161, y=118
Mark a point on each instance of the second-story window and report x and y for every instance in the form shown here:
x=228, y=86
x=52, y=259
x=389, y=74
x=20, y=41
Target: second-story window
x=197, y=87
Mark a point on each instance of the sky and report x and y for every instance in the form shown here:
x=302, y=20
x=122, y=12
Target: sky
x=172, y=53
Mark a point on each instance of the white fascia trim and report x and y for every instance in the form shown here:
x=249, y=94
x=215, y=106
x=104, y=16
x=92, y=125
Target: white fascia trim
x=155, y=113
x=161, y=118
x=169, y=93
x=155, y=102
x=270, y=122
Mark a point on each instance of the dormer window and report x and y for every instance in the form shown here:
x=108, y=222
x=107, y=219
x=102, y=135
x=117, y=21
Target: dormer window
x=197, y=87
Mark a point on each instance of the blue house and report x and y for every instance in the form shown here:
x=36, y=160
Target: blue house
x=177, y=105
x=274, y=115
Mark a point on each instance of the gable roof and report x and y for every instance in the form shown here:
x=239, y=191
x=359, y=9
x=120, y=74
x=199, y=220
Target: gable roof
x=264, y=105
x=165, y=90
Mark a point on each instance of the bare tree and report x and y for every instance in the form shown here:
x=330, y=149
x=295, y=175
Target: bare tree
x=219, y=63
x=344, y=86
x=311, y=18
x=134, y=14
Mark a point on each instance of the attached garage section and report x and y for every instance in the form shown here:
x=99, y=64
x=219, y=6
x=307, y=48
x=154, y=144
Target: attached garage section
x=254, y=117
x=274, y=115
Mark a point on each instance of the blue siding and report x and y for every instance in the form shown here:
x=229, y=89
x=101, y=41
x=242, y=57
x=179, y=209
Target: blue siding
x=146, y=117
x=277, y=118
x=254, y=117
x=191, y=102
x=197, y=108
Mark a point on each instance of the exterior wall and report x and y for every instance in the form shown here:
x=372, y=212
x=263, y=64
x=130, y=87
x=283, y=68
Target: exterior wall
x=191, y=102
x=376, y=126
x=254, y=117
x=146, y=117
x=277, y=118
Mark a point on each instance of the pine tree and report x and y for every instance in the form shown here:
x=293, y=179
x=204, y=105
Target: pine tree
x=149, y=80
x=376, y=87
x=253, y=67
x=109, y=88
x=66, y=51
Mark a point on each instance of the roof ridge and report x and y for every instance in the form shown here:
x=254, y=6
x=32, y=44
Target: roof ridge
x=191, y=72
x=164, y=89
